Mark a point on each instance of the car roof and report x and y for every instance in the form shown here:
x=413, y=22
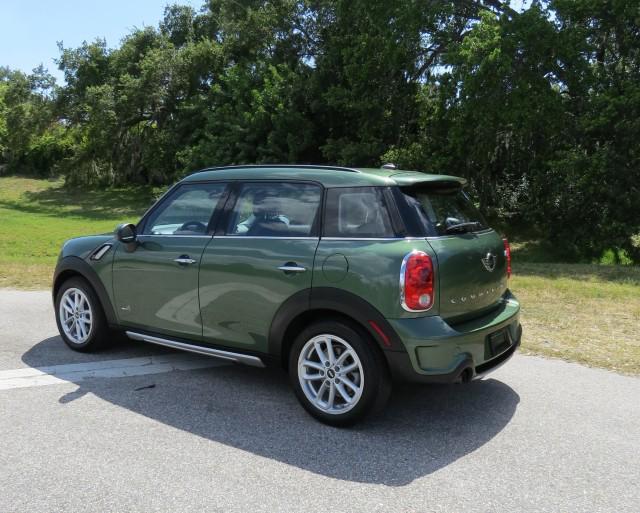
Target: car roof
x=329, y=176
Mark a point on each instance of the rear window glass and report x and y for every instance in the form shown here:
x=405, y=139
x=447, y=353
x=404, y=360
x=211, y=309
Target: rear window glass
x=357, y=212
x=445, y=211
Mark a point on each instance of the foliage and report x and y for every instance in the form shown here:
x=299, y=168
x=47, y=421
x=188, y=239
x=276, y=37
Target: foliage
x=539, y=109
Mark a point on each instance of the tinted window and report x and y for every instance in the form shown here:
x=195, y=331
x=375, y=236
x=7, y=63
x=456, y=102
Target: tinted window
x=186, y=211
x=444, y=211
x=275, y=210
x=357, y=212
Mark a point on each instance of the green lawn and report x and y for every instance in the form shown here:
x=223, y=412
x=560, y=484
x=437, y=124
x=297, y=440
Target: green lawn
x=37, y=216
x=584, y=313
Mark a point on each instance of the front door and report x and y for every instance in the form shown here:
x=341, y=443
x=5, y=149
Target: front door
x=262, y=256
x=155, y=283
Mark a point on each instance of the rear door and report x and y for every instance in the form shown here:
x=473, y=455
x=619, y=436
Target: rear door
x=155, y=283
x=261, y=256
x=472, y=267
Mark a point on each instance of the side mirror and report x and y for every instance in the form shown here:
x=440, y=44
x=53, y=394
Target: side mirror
x=126, y=233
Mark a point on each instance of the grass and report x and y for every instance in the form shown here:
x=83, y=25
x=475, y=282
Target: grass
x=584, y=313
x=579, y=312
x=37, y=216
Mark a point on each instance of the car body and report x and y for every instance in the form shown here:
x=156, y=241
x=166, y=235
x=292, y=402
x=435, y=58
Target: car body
x=389, y=274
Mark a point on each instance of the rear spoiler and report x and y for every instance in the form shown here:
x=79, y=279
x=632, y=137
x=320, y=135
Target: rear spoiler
x=416, y=179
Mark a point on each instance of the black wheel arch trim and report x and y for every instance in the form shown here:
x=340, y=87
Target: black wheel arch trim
x=340, y=301
x=80, y=267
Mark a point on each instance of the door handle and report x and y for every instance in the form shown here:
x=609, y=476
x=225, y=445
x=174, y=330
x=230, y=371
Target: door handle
x=292, y=267
x=184, y=260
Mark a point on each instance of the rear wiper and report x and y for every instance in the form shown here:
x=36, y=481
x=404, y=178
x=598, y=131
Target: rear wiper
x=461, y=226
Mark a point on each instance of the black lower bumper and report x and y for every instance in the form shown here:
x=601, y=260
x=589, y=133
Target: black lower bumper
x=402, y=369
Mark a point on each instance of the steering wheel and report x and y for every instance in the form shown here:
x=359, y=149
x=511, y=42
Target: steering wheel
x=193, y=226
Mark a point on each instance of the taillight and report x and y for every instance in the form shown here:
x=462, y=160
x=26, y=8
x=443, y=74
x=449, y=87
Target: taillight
x=507, y=255
x=416, y=282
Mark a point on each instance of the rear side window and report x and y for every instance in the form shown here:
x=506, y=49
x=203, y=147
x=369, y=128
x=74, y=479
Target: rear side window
x=357, y=212
x=275, y=210
x=444, y=211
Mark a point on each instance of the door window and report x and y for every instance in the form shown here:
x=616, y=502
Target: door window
x=187, y=211
x=275, y=210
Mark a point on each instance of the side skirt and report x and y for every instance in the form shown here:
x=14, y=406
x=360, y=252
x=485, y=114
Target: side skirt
x=253, y=361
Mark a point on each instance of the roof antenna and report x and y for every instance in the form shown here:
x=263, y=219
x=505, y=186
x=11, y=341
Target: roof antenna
x=389, y=165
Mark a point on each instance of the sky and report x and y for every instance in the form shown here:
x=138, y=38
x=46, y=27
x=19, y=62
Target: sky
x=30, y=29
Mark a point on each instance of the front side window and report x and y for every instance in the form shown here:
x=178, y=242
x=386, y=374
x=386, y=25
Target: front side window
x=275, y=210
x=357, y=212
x=187, y=211
x=444, y=210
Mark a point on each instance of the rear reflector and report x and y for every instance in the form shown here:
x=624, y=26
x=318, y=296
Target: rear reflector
x=507, y=255
x=381, y=334
x=416, y=282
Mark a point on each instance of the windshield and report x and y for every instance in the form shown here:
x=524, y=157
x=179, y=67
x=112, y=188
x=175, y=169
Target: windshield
x=445, y=211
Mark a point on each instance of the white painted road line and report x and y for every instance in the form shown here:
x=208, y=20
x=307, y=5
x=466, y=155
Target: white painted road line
x=74, y=372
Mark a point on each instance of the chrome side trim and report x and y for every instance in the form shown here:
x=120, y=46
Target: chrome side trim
x=184, y=260
x=292, y=268
x=101, y=251
x=351, y=239
x=253, y=361
x=266, y=237
x=172, y=235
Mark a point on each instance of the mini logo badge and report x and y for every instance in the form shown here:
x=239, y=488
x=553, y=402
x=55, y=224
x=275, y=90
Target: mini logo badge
x=489, y=261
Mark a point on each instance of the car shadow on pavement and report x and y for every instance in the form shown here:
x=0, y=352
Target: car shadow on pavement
x=422, y=429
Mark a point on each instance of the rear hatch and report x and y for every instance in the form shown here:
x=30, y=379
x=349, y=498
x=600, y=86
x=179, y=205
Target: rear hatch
x=471, y=262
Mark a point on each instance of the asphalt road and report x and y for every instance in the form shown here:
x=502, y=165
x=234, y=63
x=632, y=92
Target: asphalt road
x=138, y=428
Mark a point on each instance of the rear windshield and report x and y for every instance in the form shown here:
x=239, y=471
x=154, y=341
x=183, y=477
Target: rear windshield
x=444, y=211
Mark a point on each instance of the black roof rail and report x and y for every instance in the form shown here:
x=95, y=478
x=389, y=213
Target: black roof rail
x=293, y=166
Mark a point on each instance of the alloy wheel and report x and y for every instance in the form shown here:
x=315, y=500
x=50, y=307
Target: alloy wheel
x=330, y=374
x=75, y=315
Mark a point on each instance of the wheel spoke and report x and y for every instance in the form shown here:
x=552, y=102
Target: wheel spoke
x=343, y=393
x=332, y=395
x=348, y=368
x=313, y=365
x=350, y=384
x=78, y=332
x=321, y=392
x=319, y=351
x=330, y=352
x=343, y=357
x=312, y=377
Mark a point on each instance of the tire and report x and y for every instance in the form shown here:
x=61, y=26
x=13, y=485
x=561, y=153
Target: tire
x=323, y=396
x=78, y=308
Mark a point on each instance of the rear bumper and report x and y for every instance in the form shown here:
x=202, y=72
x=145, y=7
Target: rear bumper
x=437, y=352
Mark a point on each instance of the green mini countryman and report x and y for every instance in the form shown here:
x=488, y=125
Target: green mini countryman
x=347, y=278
